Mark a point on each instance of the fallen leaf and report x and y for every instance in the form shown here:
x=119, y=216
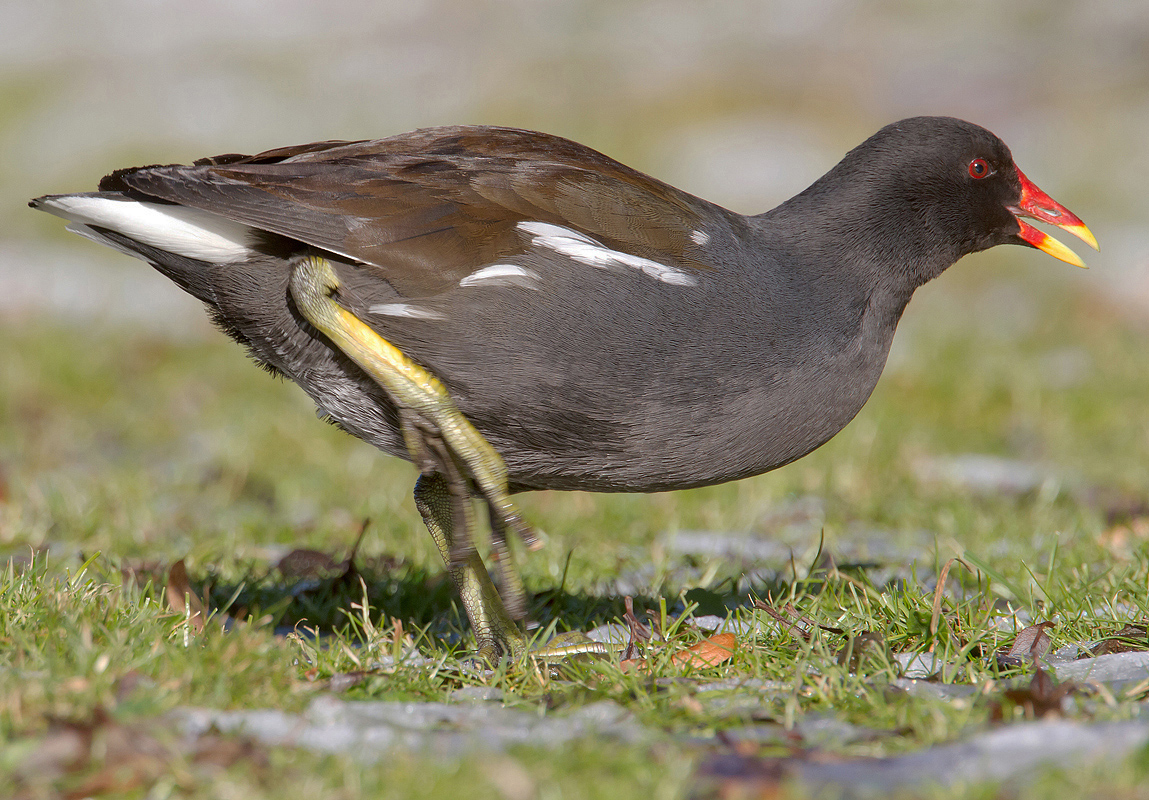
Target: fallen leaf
x=1042, y=697
x=707, y=653
x=735, y=775
x=100, y=757
x=638, y=631
x=1129, y=639
x=182, y=599
x=305, y=563
x=1029, y=646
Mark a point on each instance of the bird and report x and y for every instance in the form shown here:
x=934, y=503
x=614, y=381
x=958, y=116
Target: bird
x=511, y=311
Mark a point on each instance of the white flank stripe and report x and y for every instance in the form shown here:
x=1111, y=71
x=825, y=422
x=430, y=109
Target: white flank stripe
x=587, y=251
x=502, y=275
x=405, y=310
x=700, y=238
x=177, y=229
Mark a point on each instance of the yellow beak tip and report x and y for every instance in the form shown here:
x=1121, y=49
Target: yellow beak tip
x=1084, y=234
x=1053, y=247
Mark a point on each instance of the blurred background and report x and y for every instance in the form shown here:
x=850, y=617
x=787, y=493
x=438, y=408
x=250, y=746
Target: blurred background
x=744, y=102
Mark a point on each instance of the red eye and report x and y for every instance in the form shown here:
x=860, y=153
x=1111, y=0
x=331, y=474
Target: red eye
x=980, y=168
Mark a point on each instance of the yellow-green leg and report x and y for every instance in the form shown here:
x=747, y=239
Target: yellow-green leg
x=439, y=438
x=433, y=457
x=495, y=631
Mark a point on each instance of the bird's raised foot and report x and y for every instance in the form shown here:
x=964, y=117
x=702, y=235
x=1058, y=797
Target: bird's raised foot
x=454, y=460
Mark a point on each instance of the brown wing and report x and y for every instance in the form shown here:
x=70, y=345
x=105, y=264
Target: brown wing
x=431, y=206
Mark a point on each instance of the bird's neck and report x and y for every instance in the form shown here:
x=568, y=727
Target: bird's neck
x=865, y=233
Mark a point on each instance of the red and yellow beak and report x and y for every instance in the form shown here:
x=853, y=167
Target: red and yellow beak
x=1036, y=204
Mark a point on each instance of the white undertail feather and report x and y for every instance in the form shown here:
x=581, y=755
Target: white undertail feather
x=184, y=231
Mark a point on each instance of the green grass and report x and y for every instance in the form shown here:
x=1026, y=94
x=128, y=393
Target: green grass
x=122, y=453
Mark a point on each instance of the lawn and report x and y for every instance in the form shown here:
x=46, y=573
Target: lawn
x=125, y=454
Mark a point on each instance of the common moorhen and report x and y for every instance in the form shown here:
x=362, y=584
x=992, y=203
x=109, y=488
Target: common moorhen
x=511, y=310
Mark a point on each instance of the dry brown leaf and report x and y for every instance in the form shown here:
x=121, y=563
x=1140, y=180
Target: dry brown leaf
x=100, y=757
x=707, y=653
x=638, y=631
x=1131, y=638
x=182, y=599
x=1042, y=697
x=734, y=775
x=634, y=665
x=305, y=563
x=1030, y=645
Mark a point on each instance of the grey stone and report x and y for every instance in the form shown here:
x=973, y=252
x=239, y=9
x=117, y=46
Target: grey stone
x=370, y=729
x=923, y=688
x=610, y=633
x=996, y=755
x=747, y=685
x=733, y=546
x=1117, y=670
x=477, y=694
x=831, y=733
x=919, y=665
x=983, y=474
x=739, y=627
